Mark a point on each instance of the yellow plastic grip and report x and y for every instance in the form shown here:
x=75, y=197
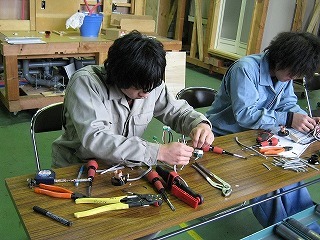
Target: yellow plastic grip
x=116, y=206
x=100, y=200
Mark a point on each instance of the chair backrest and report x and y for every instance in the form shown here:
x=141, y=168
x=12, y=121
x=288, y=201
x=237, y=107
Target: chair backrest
x=46, y=119
x=197, y=97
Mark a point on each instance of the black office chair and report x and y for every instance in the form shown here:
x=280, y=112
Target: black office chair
x=197, y=97
x=46, y=119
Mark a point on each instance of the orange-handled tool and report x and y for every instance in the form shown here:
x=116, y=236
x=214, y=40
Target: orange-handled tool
x=274, y=150
x=55, y=191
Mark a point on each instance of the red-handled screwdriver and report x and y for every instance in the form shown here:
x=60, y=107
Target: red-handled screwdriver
x=219, y=150
x=154, y=178
x=92, y=167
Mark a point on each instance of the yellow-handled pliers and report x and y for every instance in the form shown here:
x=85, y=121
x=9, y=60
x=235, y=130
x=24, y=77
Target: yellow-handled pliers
x=117, y=203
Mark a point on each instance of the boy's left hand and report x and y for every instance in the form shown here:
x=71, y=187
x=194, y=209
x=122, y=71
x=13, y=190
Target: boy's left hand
x=201, y=135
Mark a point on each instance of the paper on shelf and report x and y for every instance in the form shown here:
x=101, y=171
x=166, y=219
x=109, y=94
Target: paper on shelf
x=24, y=40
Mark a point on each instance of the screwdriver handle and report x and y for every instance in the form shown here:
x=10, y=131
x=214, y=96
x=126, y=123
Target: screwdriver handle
x=154, y=178
x=92, y=166
x=210, y=148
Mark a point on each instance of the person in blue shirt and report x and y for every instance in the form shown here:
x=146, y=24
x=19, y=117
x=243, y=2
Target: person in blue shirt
x=257, y=93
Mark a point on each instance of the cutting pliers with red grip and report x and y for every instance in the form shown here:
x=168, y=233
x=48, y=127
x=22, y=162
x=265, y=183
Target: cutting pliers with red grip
x=274, y=150
x=58, y=192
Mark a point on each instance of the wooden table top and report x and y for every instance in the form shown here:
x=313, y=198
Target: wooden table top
x=68, y=43
x=248, y=178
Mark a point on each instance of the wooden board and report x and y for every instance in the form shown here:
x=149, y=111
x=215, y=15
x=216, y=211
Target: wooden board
x=14, y=25
x=116, y=18
x=175, y=73
x=142, y=25
x=55, y=14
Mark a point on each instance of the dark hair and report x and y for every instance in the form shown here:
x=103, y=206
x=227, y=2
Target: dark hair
x=297, y=52
x=135, y=60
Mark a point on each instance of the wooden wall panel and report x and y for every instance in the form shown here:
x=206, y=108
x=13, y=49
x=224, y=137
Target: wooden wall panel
x=55, y=14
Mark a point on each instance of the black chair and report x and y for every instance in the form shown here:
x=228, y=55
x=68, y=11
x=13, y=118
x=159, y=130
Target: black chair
x=197, y=97
x=46, y=119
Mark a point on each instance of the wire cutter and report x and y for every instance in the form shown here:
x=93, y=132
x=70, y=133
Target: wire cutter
x=223, y=185
x=274, y=150
x=117, y=203
x=58, y=192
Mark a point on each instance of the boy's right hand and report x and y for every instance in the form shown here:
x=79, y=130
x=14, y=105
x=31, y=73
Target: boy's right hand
x=175, y=153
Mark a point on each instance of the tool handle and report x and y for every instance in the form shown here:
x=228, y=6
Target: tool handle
x=272, y=142
x=54, y=188
x=100, y=200
x=215, y=149
x=154, y=178
x=189, y=191
x=52, y=194
x=165, y=175
x=92, y=166
x=218, y=150
x=105, y=208
x=185, y=197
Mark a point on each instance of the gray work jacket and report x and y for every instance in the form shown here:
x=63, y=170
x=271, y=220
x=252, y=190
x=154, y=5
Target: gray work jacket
x=100, y=124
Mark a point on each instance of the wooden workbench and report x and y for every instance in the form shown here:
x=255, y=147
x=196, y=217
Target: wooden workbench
x=67, y=45
x=248, y=178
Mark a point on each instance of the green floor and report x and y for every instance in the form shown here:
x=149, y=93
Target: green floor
x=17, y=158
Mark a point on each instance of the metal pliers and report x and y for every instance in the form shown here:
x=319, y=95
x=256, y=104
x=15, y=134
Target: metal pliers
x=223, y=185
x=117, y=203
x=58, y=192
x=274, y=150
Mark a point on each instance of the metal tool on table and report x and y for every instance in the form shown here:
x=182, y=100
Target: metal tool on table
x=249, y=148
x=179, y=188
x=154, y=178
x=117, y=203
x=223, y=185
x=219, y=150
x=274, y=150
x=58, y=192
x=92, y=166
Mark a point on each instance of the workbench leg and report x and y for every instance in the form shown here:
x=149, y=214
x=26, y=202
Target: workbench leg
x=11, y=78
x=100, y=57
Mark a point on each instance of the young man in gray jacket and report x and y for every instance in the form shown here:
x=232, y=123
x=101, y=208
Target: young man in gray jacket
x=107, y=109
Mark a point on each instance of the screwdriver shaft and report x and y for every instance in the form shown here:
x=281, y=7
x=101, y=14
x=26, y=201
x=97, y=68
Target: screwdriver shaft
x=167, y=200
